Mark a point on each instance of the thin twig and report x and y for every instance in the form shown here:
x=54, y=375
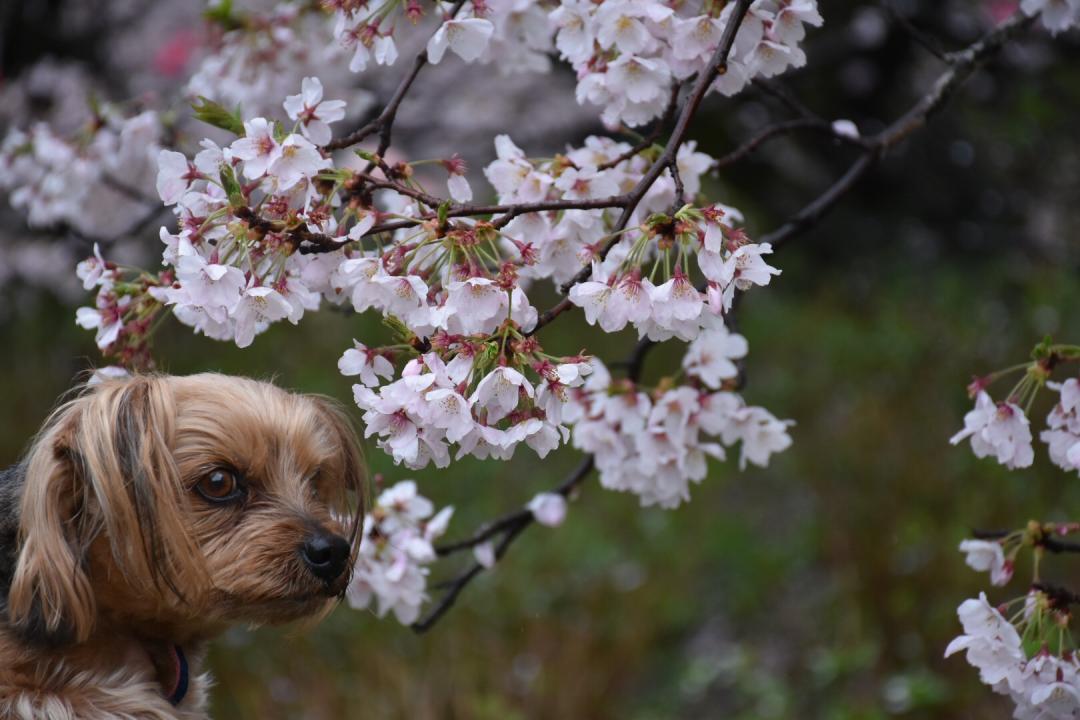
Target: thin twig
x=962, y=65
x=930, y=43
x=511, y=526
x=778, y=90
x=384, y=123
x=507, y=212
x=778, y=129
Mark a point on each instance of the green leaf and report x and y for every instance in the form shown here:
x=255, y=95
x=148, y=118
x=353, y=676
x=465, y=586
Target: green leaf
x=214, y=114
x=1043, y=350
x=222, y=14
x=657, y=220
x=444, y=213
x=401, y=330
x=688, y=213
x=279, y=132
x=232, y=187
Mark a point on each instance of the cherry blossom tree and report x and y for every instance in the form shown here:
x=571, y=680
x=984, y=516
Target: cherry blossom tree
x=294, y=213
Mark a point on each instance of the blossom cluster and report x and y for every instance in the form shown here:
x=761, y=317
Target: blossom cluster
x=235, y=273
x=645, y=279
x=395, y=550
x=1030, y=655
x=627, y=52
x=1002, y=430
x=1062, y=433
x=1044, y=685
x=256, y=55
x=556, y=245
x=419, y=416
x=90, y=182
x=655, y=443
x=397, y=547
x=125, y=309
x=619, y=294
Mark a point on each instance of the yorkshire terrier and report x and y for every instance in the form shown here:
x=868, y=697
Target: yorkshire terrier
x=149, y=514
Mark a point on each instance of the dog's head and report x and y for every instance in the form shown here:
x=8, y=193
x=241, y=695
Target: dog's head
x=177, y=505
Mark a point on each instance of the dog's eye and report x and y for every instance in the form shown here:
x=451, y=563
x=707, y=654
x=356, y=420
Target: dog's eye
x=220, y=485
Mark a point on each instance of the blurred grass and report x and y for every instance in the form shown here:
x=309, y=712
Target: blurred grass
x=825, y=586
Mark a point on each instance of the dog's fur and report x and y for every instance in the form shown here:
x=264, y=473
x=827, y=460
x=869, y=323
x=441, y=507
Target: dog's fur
x=109, y=558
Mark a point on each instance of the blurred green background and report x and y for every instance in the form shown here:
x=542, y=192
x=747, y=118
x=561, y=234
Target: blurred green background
x=822, y=587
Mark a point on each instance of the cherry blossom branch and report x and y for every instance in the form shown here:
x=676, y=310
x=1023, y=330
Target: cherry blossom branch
x=717, y=65
x=823, y=203
x=506, y=212
x=963, y=64
x=510, y=527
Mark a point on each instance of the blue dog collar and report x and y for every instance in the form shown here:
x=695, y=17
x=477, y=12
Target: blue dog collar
x=180, y=687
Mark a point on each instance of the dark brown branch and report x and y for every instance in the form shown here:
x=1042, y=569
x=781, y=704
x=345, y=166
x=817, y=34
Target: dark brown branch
x=510, y=526
x=817, y=208
x=778, y=129
x=1046, y=542
x=776, y=89
x=1060, y=598
x=509, y=212
x=930, y=43
x=962, y=65
x=1059, y=546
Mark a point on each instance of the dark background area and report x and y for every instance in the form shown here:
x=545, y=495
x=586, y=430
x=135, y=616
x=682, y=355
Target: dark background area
x=824, y=586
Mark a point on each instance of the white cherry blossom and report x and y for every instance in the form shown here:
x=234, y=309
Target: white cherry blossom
x=468, y=38
x=312, y=112
x=998, y=429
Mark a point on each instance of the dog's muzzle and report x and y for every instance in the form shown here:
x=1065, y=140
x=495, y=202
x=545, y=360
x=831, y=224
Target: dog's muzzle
x=326, y=555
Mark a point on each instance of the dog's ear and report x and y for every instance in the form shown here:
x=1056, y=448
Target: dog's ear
x=50, y=600
x=103, y=464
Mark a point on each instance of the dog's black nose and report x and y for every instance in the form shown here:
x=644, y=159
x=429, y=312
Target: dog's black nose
x=326, y=555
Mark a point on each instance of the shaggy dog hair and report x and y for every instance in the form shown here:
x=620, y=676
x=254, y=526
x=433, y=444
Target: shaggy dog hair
x=150, y=514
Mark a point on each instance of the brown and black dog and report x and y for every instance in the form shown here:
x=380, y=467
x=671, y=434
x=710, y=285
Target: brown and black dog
x=150, y=514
